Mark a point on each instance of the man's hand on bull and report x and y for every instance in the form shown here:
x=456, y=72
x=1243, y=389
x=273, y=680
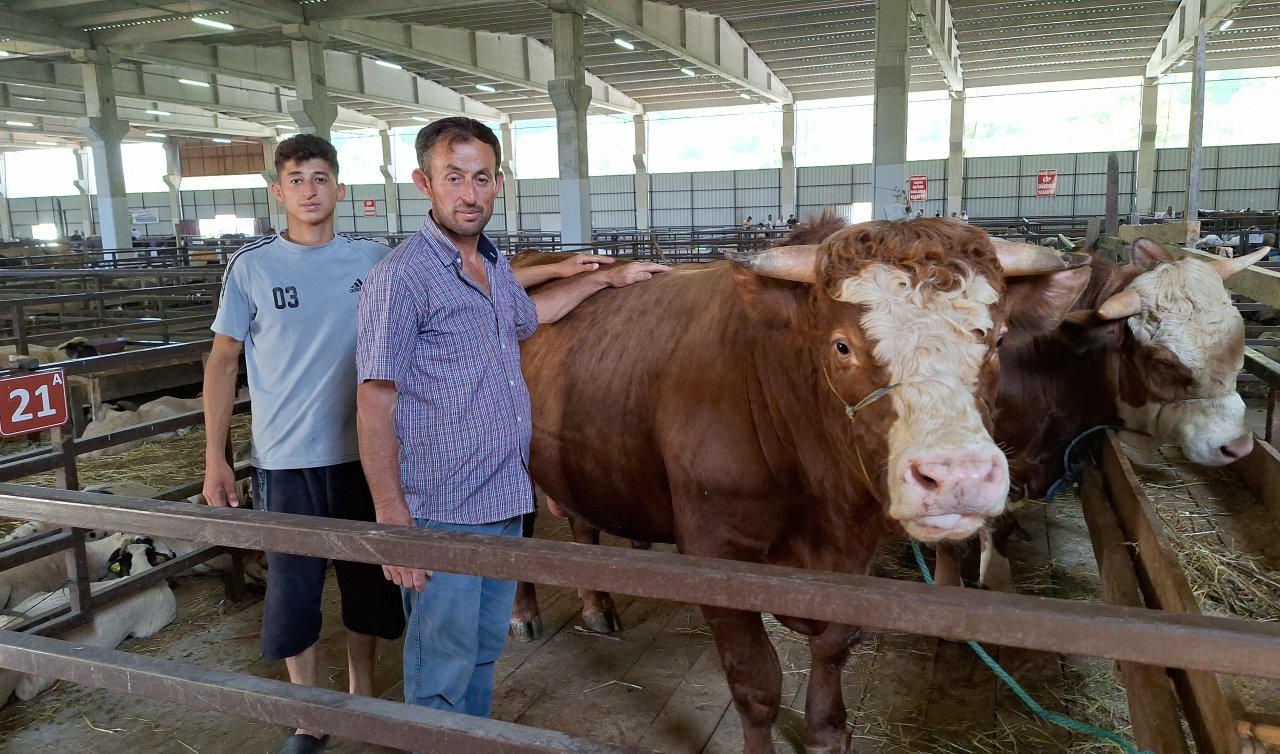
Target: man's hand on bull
x=621, y=277
x=579, y=263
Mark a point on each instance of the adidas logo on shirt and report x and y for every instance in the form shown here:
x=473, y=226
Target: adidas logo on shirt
x=356, y=286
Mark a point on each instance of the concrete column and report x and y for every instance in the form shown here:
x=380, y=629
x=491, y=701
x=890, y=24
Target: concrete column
x=389, y=183
x=1195, y=134
x=86, y=190
x=955, y=158
x=6, y=220
x=1145, y=169
x=105, y=132
x=510, y=187
x=889, y=140
x=173, y=179
x=570, y=95
x=787, y=195
x=312, y=110
x=641, y=160
x=279, y=218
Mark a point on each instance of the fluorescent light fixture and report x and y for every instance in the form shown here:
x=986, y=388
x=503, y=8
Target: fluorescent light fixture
x=389, y=64
x=158, y=112
x=421, y=119
x=47, y=143
x=1181, y=63
x=1226, y=24
x=283, y=127
x=485, y=88
x=155, y=134
x=221, y=141
x=5, y=53
x=744, y=95
x=213, y=24
x=688, y=72
x=19, y=123
x=624, y=44
x=193, y=82
x=28, y=99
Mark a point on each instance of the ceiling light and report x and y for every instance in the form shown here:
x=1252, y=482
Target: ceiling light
x=213, y=24
x=744, y=95
x=155, y=134
x=624, y=44
x=47, y=143
x=389, y=64
x=688, y=72
x=485, y=88
x=421, y=119
x=5, y=53
x=1226, y=24
x=1181, y=63
x=193, y=82
x=19, y=123
x=284, y=127
x=159, y=112
x=28, y=99
x=221, y=141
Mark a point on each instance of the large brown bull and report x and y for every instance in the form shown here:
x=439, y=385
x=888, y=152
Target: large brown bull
x=800, y=407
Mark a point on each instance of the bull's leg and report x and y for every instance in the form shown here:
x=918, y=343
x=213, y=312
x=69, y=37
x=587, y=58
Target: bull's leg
x=598, y=611
x=526, y=618
x=946, y=565
x=751, y=668
x=995, y=573
x=824, y=709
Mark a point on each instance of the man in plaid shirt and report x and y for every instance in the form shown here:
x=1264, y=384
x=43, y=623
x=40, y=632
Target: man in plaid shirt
x=443, y=411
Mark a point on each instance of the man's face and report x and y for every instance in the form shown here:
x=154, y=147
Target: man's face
x=309, y=190
x=462, y=181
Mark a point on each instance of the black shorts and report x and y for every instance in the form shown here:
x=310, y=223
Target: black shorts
x=291, y=614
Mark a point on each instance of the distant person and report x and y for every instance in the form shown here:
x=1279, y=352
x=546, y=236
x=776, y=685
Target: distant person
x=270, y=232
x=919, y=213
x=768, y=223
x=76, y=235
x=954, y=216
x=747, y=223
x=937, y=214
x=1168, y=213
x=136, y=234
x=792, y=221
x=964, y=215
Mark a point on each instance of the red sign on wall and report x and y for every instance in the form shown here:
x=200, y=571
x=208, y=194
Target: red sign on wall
x=918, y=188
x=32, y=402
x=1047, y=183
x=370, y=207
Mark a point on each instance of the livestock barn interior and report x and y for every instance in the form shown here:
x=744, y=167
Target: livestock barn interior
x=136, y=156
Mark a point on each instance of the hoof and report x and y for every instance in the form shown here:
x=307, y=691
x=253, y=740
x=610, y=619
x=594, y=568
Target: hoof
x=602, y=623
x=526, y=630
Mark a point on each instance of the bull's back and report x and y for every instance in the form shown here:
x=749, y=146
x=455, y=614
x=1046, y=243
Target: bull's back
x=602, y=379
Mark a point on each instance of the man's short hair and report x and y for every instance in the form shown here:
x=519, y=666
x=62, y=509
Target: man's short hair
x=453, y=130
x=305, y=147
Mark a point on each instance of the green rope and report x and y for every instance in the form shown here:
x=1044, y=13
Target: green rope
x=1021, y=693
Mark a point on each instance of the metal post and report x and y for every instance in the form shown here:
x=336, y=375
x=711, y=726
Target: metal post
x=1195, y=133
x=1113, y=194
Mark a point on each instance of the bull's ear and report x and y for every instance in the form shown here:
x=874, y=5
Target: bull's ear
x=770, y=302
x=1039, y=303
x=1148, y=254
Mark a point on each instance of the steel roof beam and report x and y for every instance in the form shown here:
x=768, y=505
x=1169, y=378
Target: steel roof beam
x=36, y=28
x=509, y=58
x=939, y=27
x=1179, y=36
x=703, y=40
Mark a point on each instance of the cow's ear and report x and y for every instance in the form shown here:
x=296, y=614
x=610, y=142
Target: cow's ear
x=1148, y=254
x=769, y=301
x=1039, y=303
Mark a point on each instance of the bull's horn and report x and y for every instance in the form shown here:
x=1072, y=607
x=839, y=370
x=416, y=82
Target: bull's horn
x=1228, y=267
x=1121, y=306
x=1022, y=259
x=796, y=263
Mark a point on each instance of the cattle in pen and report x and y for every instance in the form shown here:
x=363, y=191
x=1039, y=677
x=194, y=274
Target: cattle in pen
x=798, y=407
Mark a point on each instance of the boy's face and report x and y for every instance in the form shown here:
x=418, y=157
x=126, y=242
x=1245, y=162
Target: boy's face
x=309, y=191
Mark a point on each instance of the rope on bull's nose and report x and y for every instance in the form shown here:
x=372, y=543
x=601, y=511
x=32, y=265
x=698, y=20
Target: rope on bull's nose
x=852, y=411
x=1060, y=720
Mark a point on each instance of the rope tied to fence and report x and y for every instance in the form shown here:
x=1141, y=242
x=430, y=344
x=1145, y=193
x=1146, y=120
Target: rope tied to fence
x=1061, y=721
x=1071, y=469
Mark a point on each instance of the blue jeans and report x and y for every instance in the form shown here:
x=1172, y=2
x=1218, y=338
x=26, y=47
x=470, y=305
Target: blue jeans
x=457, y=631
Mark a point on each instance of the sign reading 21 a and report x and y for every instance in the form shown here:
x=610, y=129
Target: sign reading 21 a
x=32, y=402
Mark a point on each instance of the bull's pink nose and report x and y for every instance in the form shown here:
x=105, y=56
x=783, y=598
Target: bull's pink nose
x=968, y=482
x=1237, y=448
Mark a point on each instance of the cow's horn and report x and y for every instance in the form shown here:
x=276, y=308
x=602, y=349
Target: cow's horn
x=796, y=263
x=1228, y=267
x=1121, y=306
x=1022, y=259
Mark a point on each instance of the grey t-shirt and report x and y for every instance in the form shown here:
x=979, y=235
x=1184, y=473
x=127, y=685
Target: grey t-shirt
x=294, y=307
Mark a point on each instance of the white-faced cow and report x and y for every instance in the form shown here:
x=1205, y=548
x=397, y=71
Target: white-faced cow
x=713, y=406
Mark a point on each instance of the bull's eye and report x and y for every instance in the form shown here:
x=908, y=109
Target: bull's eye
x=999, y=341
x=842, y=348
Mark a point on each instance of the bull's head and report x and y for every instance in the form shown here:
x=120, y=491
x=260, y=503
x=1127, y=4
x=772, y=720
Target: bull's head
x=1183, y=346
x=913, y=312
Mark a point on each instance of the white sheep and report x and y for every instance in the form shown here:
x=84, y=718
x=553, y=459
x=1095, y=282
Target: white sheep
x=50, y=572
x=108, y=419
x=141, y=615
